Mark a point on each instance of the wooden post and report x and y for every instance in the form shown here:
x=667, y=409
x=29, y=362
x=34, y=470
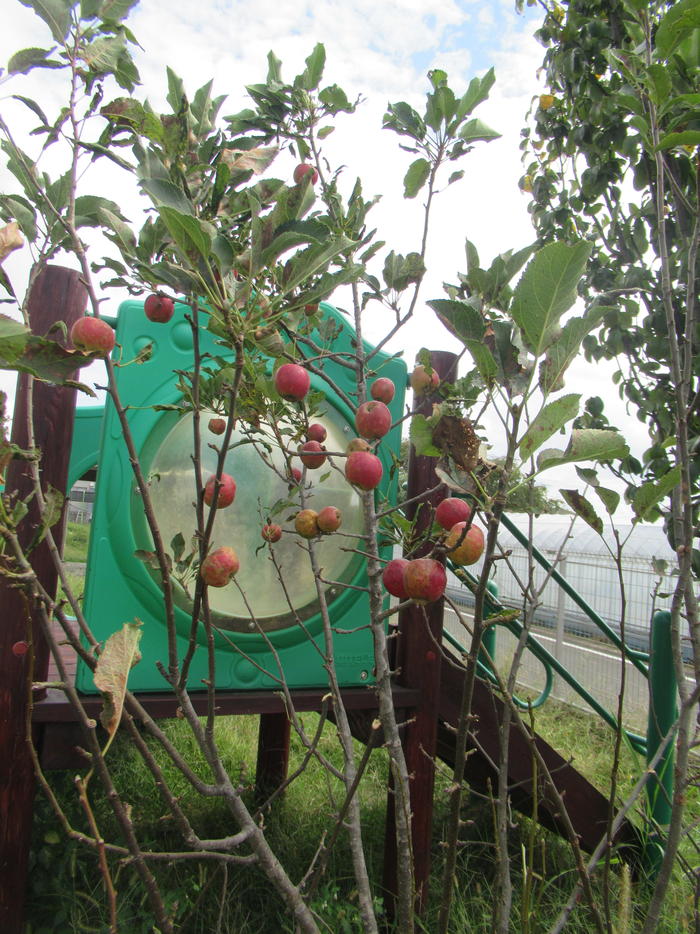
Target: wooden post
x=57, y=294
x=418, y=664
x=273, y=753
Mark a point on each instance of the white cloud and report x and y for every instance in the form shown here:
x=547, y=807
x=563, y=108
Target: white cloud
x=379, y=50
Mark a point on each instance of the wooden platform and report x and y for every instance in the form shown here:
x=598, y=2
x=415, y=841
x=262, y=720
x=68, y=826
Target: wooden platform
x=58, y=732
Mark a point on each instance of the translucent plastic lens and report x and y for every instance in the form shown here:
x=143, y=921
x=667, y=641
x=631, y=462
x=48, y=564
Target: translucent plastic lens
x=259, y=487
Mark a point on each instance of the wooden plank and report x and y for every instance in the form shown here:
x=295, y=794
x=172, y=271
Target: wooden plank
x=57, y=294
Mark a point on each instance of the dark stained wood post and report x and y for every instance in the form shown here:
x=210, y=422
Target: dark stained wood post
x=273, y=753
x=57, y=294
x=418, y=664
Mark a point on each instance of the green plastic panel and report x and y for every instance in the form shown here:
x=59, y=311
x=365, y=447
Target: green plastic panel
x=121, y=588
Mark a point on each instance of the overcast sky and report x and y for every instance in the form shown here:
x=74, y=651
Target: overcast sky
x=381, y=51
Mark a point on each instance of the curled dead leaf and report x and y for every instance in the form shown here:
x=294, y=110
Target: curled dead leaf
x=10, y=239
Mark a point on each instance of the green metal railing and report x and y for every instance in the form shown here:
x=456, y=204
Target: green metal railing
x=660, y=674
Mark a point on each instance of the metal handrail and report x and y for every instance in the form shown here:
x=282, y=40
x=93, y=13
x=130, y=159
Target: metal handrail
x=550, y=663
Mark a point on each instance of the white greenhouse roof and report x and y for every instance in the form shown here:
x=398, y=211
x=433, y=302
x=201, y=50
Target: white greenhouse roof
x=645, y=541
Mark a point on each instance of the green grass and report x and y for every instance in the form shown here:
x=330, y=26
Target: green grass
x=66, y=893
x=76, y=546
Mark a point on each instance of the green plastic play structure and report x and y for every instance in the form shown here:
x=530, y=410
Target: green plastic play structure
x=285, y=635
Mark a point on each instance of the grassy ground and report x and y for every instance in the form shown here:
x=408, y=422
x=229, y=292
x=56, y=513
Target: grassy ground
x=77, y=536
x=66, y=892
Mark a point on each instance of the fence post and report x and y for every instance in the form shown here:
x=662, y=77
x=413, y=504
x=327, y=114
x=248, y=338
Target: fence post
x=57, y=294
x=663, y=711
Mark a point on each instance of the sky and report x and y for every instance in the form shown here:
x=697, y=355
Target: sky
x=381, y=51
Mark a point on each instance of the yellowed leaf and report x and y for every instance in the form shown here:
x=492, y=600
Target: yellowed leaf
x=245, y=160
x=10, y=239
x=118, y=657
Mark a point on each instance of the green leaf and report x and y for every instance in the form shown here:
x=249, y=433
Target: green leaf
x=176, y=91
x=313, y=260
x=650, y=494
x=476, y=93
x=23, y=212
x=22, y=62
x=177, y=546
x=335, y=100
x=22, y=351
x=400, y=271
x=680, y=21
x=87, y=210
x=476, y=129
x=223, y=251
x=416, y=177
x=165, y=193
x=547, y=289
x=312, y=74
x=13, y=339
x=274, y=69
x=115, y=11
x=586, y=444
x=54, y=507
x=188, y=232
x=441, y=107
x=102, y=55
x=550, y=419
x=565, y=349
x=34, y=107
x=125, y=234
x=465, y=323
x=291, y=234
x=609, y=498
x=583, y=508
x=55, y=13
x=404, y=120
x=685, y=138
x=118, y=656
x=421, y=436
x=659, y=83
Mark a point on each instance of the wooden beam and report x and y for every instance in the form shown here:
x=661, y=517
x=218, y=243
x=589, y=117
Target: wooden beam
x=57, y=294
x=418, y=664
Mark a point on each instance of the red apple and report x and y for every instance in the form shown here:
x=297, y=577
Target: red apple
x=219, y=567
x=358, y=444
x=217, y=426
x=425, y=580
x=382, y=390
x=469, y=549
x=271, y=532
x=304, y=169
x=227, y=491
x=363, y=469
x=422, y=381
x=316, y=432
x=373, y=419
x=295, y=475
x=392, y=578
x=312, y=454
x=452, y=510
x=159, y=308
x=292, y=381
x=20, y=648
x=306, y=523
x=329, y=519
x=310, y=310
x=92, y=335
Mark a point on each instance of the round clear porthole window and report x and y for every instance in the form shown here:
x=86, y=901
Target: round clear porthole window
x=266, y=594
